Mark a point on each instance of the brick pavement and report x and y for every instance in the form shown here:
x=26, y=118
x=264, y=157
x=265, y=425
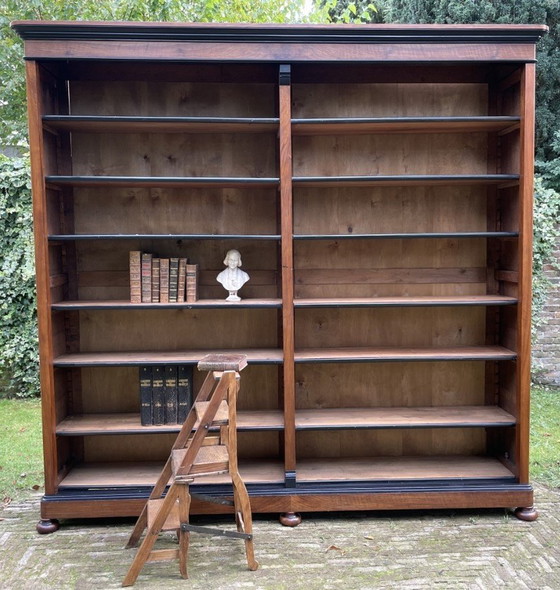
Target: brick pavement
x=485, y=549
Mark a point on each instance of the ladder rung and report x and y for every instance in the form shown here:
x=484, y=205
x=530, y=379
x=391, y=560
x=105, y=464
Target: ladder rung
x=210, y=459
x=221, y=417
x=191, y=528
x=163, y=555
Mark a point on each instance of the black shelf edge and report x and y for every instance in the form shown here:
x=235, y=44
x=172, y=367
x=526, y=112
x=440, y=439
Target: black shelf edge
x=163, y=180
x=137, y=119
x=402, y=236
x=381, y=120
x=199, y=304
x=78, y=237
x=119, y=31
x=404, y=178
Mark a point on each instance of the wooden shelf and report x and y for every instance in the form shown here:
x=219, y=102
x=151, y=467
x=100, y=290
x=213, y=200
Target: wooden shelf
x=401, y=468
x=133, y=474
x=385, y=354
x=409, y=236
x=416, y=301
x=406, y=180
x=323, y=419
x=77, y=237
x=131, y=124
x=407, y=301
x=99, y=424
x=134, y=359
x=199, y=304
x=162, y=181
x=347, y=126
x=418, y=417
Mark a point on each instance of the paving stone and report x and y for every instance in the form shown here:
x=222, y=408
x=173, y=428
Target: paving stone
x=459, y=549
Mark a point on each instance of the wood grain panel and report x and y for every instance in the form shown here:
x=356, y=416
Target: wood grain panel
x=389, y=210
x=370, y=155
x=177, y=329
x=382, y=385
x=116, y=389
x=136, y=154
x=389, y=100
x=386, y=327
x=172, y=99
x=390, y=443
x=175, y=211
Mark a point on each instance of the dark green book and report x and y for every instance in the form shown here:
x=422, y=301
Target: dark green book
x=158, y=404
x=146, y=396
x=184, y=391
x=170, y=394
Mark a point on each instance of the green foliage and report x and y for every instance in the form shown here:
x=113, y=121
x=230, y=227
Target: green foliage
x=13, y=126
x=545, y=436
x=347, y=11
x=546, y=215
x=21, y=457
x=18, y=331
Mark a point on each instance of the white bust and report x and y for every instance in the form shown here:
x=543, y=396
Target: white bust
x=232, y=278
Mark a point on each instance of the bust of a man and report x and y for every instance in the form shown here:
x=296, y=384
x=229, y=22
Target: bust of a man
x=232, y=278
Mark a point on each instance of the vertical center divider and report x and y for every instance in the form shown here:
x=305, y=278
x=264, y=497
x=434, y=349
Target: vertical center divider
x=287, y=259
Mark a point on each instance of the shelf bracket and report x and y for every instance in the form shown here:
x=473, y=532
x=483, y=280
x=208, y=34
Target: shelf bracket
x=285, y=75
x=290, y=479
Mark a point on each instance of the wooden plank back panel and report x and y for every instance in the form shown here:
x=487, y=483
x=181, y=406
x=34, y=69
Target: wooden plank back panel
x=389, y=210
x=116, y=389
x=175, y=211
x=354, y=268
x=156, y=447
x=391, y=442
x=177, y=329
x=370, y=155
x=389, y=100
x=172, y=99
x=139, y=154
x=325, y=385
x=390, y=327
x=103, y=265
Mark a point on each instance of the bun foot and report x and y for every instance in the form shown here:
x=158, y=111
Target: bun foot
x=290, y=519
x=46, y=526
x=528, y=513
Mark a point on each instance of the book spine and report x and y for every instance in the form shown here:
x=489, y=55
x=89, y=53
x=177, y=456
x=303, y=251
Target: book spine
x=135, y=271
x=158, y=409
x=173, y=278
x=170, y=394
x=155, y=280
x=146, y=278
x=164, y=280
x=192, y=283
x=181, y=280
x=145, y=396
x=184, y=392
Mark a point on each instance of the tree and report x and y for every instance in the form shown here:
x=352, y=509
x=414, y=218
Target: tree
x=18, y=329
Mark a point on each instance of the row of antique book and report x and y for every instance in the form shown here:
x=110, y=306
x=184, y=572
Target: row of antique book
x=162, y=280
x=165, y=394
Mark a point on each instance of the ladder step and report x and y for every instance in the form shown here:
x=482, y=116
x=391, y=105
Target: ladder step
x=210, y=459
x=221, y=417
x=163, y=555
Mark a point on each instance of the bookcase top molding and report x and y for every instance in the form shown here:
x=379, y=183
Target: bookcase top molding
x=273, y=42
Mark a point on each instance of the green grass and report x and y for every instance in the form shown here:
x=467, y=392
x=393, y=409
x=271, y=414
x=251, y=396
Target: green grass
x=21, y=458
x=545, y=436
x=21, y=455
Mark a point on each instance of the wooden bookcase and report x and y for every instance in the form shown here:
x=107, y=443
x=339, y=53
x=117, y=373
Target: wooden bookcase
x=378, y=183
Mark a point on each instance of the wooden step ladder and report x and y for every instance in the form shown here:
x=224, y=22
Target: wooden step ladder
x=206, y=444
